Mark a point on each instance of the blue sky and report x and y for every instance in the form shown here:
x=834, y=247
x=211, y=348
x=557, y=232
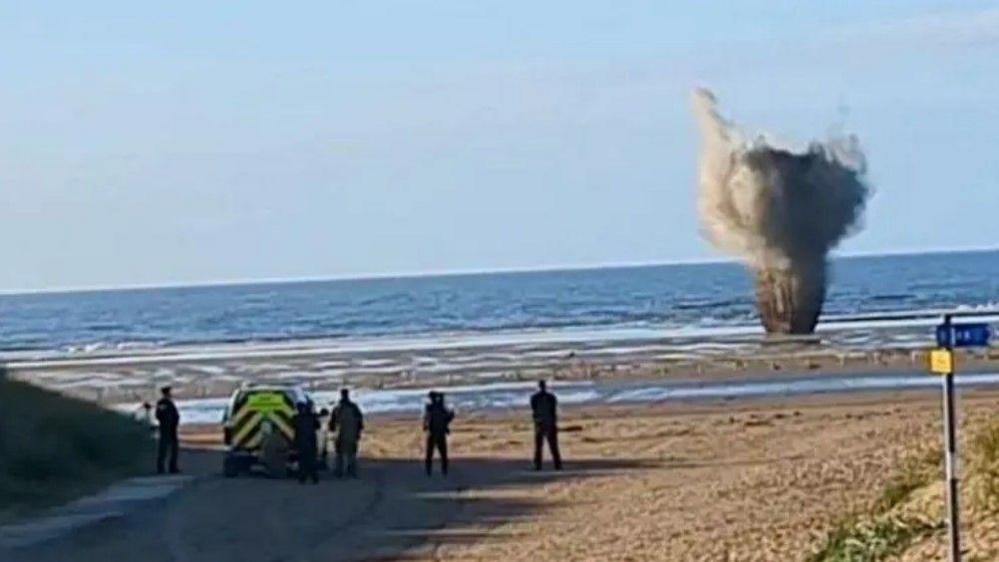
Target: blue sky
x=206, y=141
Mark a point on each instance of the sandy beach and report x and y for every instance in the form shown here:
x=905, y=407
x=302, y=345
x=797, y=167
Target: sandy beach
x=664, y=477
x=760, y=479
x=745, y=481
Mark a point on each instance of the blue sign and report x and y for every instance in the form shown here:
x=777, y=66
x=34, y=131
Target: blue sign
x=965, y=335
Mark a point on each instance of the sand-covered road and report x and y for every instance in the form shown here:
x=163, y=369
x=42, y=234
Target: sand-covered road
x=751, y=480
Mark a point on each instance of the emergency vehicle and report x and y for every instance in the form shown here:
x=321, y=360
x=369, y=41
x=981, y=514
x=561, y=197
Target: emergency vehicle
x=262, y=415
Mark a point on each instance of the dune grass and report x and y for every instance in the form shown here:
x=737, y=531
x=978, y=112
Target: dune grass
x=983, y=467
x=874, y=540
x=888, y=530
x=54, y=448
x=882, y=533
x=917, y=470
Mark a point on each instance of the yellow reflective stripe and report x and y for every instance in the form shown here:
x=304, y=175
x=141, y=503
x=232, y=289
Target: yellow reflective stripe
x=244, y=432
x=255, y=441
x=282, y=424
x=289, y=410
x=241, y=416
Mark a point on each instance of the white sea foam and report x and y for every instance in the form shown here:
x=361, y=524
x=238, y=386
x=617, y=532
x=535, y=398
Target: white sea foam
x=553, y=344
x=516, y=395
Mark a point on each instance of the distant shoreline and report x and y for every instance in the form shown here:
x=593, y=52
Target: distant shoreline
x=567, y=268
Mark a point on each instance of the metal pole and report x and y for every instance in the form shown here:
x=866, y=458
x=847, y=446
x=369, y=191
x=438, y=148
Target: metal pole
x=950, y=452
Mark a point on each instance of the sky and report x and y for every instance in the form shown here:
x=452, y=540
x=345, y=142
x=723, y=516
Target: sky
x=196, y=142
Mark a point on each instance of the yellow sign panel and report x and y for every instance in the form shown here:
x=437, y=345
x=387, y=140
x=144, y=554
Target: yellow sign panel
x=941, y=361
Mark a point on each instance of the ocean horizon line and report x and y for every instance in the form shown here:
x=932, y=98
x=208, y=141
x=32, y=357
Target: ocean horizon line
x=450, y=273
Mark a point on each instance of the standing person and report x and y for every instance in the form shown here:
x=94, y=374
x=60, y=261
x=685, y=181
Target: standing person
x=306, y=428
x=168, y=419
x=348, y=423
x=544, y=408
x=436, y=423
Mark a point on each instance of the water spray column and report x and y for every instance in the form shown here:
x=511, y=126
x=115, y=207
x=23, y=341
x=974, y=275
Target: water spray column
x=790, y=298
x=780, y=209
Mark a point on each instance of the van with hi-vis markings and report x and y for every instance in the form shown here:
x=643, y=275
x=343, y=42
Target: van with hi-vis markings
x=259, y=430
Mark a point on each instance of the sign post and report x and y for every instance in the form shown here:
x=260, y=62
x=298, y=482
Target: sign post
x=950, y=444
x=950, y=336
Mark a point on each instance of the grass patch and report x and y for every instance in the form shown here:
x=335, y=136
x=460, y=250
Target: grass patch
x=873, y=541
x=887, y=531
x=917, y=470
x=54, y=448
x=882, y=534
x=983, y=467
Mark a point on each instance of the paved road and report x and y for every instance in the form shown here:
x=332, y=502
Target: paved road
x=393, y=508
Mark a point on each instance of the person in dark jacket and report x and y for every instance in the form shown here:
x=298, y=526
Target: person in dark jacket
x=544, y=408
x=347, y=422
x=437, y=425
x=306, y=429
x=168, y=419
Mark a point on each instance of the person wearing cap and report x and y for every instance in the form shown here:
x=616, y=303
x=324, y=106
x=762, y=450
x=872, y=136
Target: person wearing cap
x=544, y=410
x=347, y=422
x=437, y=419
x=168, y=418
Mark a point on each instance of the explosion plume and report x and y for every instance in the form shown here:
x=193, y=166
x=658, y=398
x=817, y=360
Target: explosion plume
x=779, y=209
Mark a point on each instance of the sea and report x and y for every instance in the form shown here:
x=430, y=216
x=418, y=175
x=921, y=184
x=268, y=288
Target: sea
x=708, y=296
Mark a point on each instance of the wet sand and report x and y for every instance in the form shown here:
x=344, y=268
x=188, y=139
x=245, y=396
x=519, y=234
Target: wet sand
x=215, y=371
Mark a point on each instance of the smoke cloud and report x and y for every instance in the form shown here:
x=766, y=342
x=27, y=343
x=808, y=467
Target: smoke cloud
x=779, y=209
